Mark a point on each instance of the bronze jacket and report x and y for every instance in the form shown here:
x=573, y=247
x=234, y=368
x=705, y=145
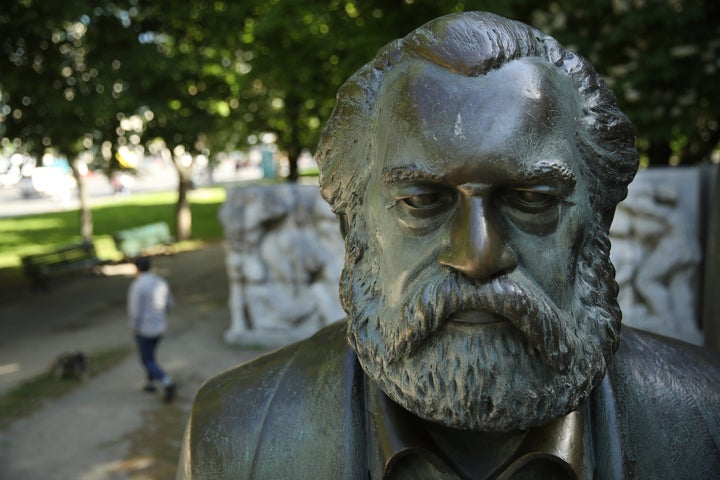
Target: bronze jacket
x=300, y=413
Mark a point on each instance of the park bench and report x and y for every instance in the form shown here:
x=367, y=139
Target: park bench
x=72, y=258
x=136, y=241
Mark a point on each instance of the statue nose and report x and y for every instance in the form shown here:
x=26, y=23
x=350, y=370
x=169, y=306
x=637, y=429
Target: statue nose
x=477, y=249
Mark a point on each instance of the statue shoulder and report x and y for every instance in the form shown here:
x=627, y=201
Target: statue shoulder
x=261, y=419
x=263, y=377
x=650, y=358
x=666, y=374
x=663, y=397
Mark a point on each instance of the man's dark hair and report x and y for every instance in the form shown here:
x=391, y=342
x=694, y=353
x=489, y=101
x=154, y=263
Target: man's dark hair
x=473, y=44
x=143, y=264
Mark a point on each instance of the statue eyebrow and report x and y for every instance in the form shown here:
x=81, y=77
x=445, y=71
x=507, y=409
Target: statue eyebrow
x=407, y=174
x=544, y=170
x=550, y=170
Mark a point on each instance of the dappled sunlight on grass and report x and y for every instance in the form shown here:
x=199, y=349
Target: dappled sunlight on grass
x=188, y=245
x=208, y=195
x=31, y=234
x=37, y=222
x=142, y=199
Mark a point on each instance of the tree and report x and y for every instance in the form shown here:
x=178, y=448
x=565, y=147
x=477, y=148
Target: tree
x=297, y=54
x=205, y=78
x=660, y=58
x=188, y=88
x=100, y=76
x=56, y=93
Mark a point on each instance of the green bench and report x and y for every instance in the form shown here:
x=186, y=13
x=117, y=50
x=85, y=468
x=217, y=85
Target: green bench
x=136, y=241
x=72, y=258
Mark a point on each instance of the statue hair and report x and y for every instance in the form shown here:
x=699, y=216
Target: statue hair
x=473, y=44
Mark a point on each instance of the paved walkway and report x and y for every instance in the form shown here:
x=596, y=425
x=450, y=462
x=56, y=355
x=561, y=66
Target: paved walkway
x=107, y=428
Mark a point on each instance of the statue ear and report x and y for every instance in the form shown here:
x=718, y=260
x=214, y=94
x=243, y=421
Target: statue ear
x=344, y=226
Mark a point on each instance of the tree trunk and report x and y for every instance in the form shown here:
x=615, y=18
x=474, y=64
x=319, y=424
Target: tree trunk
x=86, y=222
x=292, y=106
x=293, y=152
x=183, y=215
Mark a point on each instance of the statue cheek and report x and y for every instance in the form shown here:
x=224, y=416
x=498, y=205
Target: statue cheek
x=551, y=260
x=576, y=233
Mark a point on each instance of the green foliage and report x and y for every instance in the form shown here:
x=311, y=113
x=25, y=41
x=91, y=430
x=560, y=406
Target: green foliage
x=283, y=61
x=661, y=58
x=297, y=54
x=58, y=91
x=207, y=76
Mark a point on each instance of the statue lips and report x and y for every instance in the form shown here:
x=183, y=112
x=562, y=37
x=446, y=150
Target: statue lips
x=477, y=318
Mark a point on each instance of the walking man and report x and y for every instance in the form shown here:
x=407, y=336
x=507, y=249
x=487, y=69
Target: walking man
x=149, y=300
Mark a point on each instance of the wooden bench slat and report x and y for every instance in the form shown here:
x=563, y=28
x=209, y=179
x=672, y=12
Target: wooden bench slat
x=66, y=259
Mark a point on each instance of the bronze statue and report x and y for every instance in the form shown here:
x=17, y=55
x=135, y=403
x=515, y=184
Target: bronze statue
x=475, y=166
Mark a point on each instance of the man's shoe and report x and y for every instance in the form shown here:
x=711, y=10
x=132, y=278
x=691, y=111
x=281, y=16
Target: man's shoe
x=149, y=388
x=170, y=391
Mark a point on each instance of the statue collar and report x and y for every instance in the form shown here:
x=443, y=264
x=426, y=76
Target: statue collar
x=400, y=446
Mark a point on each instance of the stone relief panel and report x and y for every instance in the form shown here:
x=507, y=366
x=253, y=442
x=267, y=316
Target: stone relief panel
x=285, y=255
x=657, y=254
x=284, y=258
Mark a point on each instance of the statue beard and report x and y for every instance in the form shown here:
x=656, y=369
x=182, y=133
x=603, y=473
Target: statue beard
x=538, y=367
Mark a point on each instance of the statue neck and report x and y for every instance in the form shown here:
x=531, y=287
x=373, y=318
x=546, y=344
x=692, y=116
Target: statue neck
x=475, y=453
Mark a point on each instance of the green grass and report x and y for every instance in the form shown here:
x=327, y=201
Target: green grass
x=309, y=172
x=30, y=395
x=40, y=233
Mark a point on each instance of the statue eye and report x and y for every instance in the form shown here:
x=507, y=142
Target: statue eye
x=421, y=208
x=531, y=200
x=427, y=201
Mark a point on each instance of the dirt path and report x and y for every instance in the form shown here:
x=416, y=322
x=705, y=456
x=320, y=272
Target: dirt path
x=107, y=428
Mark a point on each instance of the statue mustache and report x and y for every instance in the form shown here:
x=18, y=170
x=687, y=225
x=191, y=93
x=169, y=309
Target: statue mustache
x=513, y=296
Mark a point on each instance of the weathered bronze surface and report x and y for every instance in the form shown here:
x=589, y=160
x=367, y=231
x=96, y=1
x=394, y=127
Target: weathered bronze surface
x=475, y=165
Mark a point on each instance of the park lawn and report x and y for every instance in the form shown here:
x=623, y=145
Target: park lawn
x=30, y=234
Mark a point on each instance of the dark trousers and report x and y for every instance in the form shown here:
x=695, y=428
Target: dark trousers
x=146, y=348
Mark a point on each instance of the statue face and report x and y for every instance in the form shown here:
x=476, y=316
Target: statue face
x=475, y=221
x=480, y=175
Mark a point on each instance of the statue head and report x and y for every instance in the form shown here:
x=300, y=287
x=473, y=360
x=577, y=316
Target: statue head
x=476, y=165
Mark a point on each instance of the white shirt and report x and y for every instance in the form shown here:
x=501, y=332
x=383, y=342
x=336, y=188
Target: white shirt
x=149, y=300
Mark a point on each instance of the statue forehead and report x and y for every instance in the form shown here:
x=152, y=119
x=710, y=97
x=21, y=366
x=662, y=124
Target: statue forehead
x=417, y=90
x=525, y=102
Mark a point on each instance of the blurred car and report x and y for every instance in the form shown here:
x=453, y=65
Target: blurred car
x=49, y=181
x=9, y=177
x=12, y=168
